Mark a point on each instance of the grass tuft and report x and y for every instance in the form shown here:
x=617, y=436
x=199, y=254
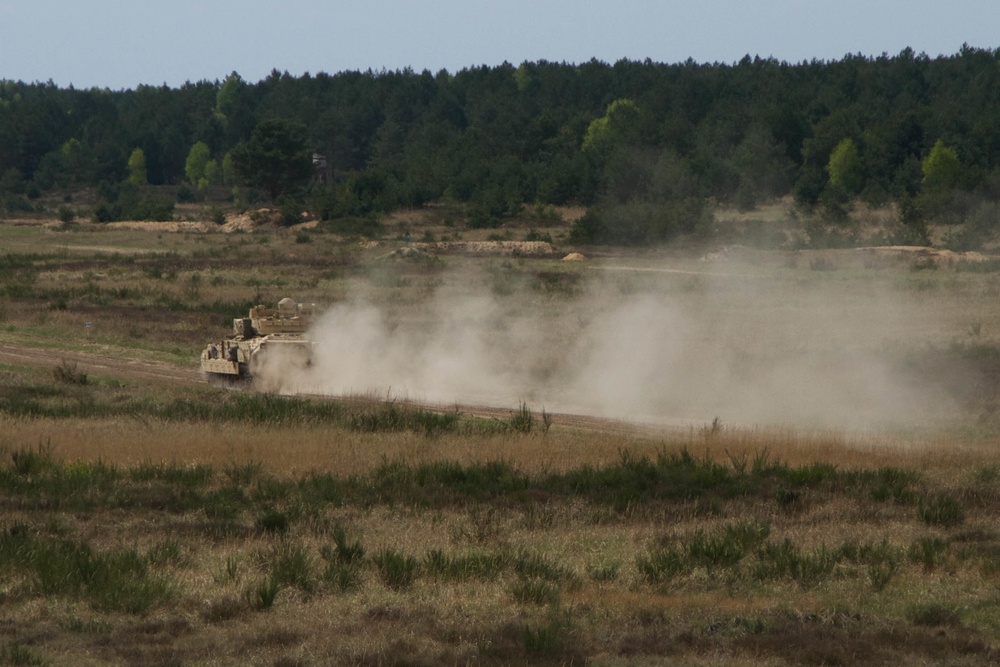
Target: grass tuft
x=941, y=509
x=397, y=570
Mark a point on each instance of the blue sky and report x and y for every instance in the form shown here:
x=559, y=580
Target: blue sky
x=123, y=43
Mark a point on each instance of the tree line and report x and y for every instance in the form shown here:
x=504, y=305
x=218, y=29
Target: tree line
x=645, y=146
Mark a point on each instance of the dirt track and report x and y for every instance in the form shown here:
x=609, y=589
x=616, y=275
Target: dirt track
x=91, y=363
x=160, y=372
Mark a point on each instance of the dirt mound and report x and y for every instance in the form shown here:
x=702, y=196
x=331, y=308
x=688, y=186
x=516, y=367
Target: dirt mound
x=574, y=257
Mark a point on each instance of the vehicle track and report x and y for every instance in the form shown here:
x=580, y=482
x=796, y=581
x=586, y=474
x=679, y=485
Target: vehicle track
x=145, y=370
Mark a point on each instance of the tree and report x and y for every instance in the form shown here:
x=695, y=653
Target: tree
x=213, y=174
x=275, y=159
x=844, y=167
x=941, y=168
x=197, y=159
x=618, y=125
x=74, y=160
x=137, y=167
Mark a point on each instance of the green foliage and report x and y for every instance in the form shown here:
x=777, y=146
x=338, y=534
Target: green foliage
x=930, y=552
x=137, y=167
x=397, y=570
x=640, y=222
x=15, y=654
x=291, y=566
x=263, y=594
x=197, y=162
x=933, y=614
x=721, y=549
x=273, y=521
x=127, y=201
x=345, y=551
x=941, y=168
x=113, y=580
x=497, y=139
x=546, y=639
x=845, y=168
x=275, y=159
x=619, y=125
x=345, y=576
x=522, y=421
x=941, y=510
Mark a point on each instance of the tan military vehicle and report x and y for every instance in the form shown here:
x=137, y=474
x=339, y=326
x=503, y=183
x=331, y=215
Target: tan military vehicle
x=268, y=347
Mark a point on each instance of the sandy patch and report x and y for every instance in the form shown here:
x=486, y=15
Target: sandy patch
x=490, y=248
x=147, y=226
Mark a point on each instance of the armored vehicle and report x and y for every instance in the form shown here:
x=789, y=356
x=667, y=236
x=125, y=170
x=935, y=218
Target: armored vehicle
x=267, y=347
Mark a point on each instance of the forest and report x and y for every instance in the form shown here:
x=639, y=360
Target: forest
x=648, y=148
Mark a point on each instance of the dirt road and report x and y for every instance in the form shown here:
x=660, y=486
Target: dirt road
x=98, y=364
x=154, y=372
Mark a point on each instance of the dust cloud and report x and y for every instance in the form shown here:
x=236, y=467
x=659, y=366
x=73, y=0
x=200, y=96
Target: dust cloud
x=812, y=351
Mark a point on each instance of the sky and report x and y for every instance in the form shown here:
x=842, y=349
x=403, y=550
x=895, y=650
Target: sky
x=121, y=44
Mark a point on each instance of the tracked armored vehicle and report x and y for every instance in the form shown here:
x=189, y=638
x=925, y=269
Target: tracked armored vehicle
x=267, y=348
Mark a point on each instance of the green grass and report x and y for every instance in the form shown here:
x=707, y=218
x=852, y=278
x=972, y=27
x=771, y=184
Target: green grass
x=111, y=580
x=396, y=569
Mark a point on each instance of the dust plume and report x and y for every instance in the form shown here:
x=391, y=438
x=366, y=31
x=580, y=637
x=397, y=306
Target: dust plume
x=745, y=349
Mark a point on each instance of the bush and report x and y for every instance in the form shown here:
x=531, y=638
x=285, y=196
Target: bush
x=67, y=373
x=644, y=222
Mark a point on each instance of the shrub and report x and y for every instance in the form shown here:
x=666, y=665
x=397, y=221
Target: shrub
x=67, y=373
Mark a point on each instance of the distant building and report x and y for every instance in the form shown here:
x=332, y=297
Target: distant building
x=322, y=169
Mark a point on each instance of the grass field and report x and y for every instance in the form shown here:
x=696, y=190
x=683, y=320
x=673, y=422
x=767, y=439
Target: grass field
x=817, y=483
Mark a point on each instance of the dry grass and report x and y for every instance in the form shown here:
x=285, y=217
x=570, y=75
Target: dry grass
x=548, y=573
x=605, y=611
x=310, y=448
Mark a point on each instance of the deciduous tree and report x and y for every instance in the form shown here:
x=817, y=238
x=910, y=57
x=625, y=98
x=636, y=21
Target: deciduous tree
x=137, y=167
